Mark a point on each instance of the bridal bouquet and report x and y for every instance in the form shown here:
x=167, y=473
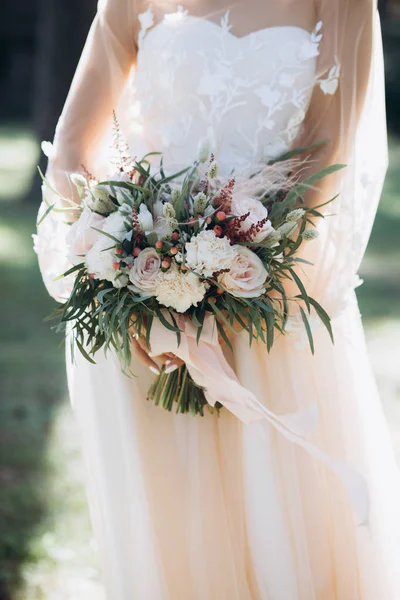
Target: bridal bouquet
x=150, y=249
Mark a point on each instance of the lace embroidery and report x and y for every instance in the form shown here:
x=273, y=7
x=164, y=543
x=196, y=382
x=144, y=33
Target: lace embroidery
x=190, y=86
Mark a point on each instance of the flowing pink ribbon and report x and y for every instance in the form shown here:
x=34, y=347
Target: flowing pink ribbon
x=209, y=368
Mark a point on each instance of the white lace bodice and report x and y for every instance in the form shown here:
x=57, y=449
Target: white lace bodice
x=246, y=95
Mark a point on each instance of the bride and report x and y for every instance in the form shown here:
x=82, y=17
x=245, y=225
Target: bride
x=187, y=508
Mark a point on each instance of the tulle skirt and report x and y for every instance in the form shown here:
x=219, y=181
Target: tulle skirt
x=191, y=508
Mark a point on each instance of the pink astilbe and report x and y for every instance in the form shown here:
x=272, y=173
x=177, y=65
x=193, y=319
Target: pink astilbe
x=224, y=199
x=137, y=231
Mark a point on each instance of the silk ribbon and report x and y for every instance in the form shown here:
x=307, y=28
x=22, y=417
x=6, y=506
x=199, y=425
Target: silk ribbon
x=209, y=369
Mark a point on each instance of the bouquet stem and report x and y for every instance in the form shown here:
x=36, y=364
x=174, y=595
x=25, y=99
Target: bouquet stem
x=178, y=390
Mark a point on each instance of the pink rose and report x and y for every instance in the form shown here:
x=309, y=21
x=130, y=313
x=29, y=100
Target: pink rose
x=81, y=236
x=145, y=272
x=247, y=275
x=241, y=205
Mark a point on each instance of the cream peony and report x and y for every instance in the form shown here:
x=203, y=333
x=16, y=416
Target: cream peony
x=241, y=205
x=145, y=271
x=179, y=290
x=247, y=275
x=206, y=253
x=81, y=236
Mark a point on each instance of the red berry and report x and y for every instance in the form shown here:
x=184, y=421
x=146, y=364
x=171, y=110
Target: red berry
x=119, y=251
x=159, y=244
x=116, y=266
x=175, y=236
x=218, y=230
x=136, y=252
x=221, y=216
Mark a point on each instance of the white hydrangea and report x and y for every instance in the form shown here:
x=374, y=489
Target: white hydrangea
x=206, y=253
x=101, y=257
x=178, y=290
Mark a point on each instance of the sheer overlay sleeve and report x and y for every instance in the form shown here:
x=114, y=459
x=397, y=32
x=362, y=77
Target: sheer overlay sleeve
x=349, y=111
x=100, y=78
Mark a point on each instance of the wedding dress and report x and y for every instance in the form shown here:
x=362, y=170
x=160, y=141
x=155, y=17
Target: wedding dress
x=208, y=508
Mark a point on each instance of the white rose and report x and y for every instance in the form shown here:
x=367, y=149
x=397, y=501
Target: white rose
x=179, y=290
x=247, y=275
x=241, y=205
x=206, y=253
x=81, y=236
x=145, y=271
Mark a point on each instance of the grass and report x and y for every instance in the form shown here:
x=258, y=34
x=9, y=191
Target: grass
x=45, y=538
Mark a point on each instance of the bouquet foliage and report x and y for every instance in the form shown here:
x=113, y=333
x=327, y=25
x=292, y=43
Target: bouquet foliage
x=148, y=245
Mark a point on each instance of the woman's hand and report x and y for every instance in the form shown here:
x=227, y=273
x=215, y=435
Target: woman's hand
x=142, y=352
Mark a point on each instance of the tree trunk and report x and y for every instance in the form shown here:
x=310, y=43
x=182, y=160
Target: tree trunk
x=61, y=33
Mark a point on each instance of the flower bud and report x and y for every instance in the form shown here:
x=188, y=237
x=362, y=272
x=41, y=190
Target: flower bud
x=221, y=215
x=136, y=252
x=119, y=251
x=169, y=211
x=78, y=180
x=159, y=245
x=116, y=266
x=213, y=170
x=174, y=197
x=175, y=236
x=295, y=215
x=218, y=230
x=200, y=202
x=310, y=234
x=204, y=151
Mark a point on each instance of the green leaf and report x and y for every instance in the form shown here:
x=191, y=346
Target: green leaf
x=83, y=352
x=297, y=151
x=302, y=289
x=308, y=329
x=164, y=321
x=70, y=271
x=223, y=335
x=107, y=235
x=323, y=315
x=300, y=189
x=47, y=211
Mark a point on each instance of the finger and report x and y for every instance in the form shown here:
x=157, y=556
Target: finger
x=144, y=357
x=173, y=364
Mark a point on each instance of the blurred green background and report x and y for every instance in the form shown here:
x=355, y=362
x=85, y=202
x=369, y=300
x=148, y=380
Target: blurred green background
x=46, y=546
